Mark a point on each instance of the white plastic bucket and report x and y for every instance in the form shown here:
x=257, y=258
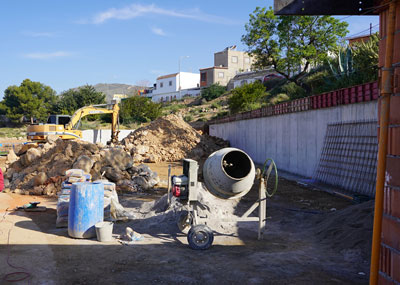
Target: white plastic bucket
x=104, y=231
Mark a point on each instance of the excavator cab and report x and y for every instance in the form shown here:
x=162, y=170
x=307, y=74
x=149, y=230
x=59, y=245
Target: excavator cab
x=58, y=119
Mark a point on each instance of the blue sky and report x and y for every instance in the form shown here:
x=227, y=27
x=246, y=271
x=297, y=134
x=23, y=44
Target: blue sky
x=65, y=44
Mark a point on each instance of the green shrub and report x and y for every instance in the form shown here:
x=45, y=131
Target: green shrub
x=246, y=97
x=282, y=97
x=215, y=105
x=139, y=109
x=188, y=118
x=213, y=91
x=221, y=114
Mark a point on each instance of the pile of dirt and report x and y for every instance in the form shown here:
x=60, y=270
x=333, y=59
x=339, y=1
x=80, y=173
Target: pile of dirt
x=41, y=169
x=348, y=231
x=170, y=138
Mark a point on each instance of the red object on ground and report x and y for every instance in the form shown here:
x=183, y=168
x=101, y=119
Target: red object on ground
x=1, y=181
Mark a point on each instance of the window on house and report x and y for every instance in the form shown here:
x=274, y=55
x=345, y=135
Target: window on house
x=170, y=83
x=220, y=75
x=203, y=77
x=161, y=84
x=234, y=59
x=162, y=99
x=247, y=60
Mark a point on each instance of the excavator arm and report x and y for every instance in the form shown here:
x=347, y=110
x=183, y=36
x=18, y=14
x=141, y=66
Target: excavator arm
x=93, y=110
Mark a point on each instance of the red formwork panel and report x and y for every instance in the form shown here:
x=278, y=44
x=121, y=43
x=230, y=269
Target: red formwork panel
x=360, y=93
x=375, y=90
x=256, y=113
x=353, y=95
x=367, y=92
x=246, y=115
x=329, y=99
x=346, y=96
x=319, y=101
x=335, y=98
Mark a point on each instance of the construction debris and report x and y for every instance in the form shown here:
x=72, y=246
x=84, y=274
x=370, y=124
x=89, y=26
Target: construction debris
x=42, y=169
x=170, y=138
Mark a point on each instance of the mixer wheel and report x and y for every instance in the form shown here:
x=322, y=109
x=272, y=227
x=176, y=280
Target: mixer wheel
x=200, y=237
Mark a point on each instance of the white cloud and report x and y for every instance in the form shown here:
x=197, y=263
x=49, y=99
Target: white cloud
x=138, y=10
x=158, y=31
x=39, y=34
x=47, y=55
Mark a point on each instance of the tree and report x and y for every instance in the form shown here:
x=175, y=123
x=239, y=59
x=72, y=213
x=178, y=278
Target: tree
x=291, y=44
x=246, y=97
x=139, y=109
x=213, y=91
x=366, y=58
x=73, y=99
x=30, y=99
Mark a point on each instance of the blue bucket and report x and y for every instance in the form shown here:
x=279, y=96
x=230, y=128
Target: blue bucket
x=85, y=209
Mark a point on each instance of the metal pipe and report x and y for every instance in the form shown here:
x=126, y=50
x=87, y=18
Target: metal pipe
x=386, y=91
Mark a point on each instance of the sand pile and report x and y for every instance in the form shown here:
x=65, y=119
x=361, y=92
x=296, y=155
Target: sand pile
x=41, y=170
x=170, y=138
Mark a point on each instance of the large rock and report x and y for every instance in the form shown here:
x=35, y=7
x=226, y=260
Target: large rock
x=11, y=157
x=117, y=158
x=83, y=162
x=51, y=139
x=50, y=190
x=31, y=155
x=138, y=158
x=40, y=179
x=112, y=174
x=9, y=173
x=142, y=149
x=68, y=151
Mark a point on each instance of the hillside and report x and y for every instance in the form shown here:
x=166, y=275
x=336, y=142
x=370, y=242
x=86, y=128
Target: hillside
x=116, y=88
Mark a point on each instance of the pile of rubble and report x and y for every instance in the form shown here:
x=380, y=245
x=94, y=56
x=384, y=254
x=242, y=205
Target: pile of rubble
x=41, y=169
x=170, y=138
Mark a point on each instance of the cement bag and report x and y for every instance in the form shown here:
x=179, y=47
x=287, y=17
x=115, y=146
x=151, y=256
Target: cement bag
x=74, y=172
x=74, y=179
x=66, y=184
x=62, y=211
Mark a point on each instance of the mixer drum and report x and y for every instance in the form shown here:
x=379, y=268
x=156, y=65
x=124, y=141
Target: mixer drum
x=229, y=173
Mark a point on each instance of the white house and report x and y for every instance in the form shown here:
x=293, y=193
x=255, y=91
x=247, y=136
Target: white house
x=167, y=86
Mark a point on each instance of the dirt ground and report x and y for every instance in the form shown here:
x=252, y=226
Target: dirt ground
x=306, y=242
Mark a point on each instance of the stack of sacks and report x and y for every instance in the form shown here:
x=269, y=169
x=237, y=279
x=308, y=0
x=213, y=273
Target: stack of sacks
x=109, y=193
x=77, y=175
x=73, y=176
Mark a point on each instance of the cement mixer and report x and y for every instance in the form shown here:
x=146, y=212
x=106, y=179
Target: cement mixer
x=228, y=173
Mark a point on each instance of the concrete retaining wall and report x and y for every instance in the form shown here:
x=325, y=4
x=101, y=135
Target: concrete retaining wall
x=102, y=136
x=293, y=140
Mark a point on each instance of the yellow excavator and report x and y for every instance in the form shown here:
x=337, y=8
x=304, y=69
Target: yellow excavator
x=67, y=127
